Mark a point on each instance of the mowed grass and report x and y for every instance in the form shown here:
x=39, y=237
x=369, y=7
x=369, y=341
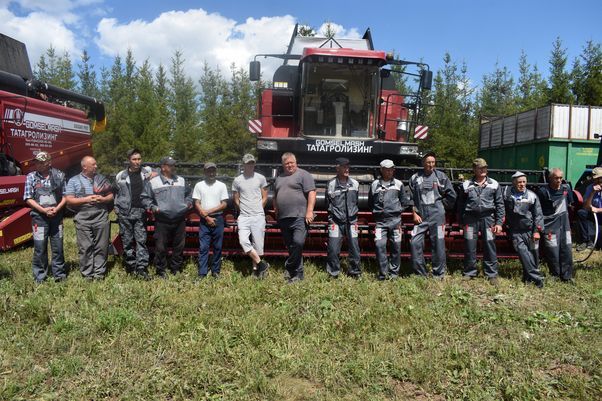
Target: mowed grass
x=242, y=339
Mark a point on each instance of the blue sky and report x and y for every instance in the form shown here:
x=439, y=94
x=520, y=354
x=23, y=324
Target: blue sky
x=479, y=33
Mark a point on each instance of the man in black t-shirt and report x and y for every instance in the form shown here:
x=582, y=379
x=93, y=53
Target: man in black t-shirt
x=129, y=185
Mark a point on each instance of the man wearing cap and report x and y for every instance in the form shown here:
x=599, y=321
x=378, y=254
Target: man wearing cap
x=210, y=196
x=481, y=209
x=387, y=200
x=168, y=197
x=294, y=201
x=342, y=194
x=250, y=195
x=525, y=222
x=556, y=198
x=592, y=203
x=432, y=193
x=128, y=188
x=89, y=195
x=44, y=190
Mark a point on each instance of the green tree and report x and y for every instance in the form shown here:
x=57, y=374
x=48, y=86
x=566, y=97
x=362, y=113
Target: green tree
x=586, y=75
x=453, y=132
x=86, y=76
x=497, y=93
x=531, y=89
x=183, y=106
x=559, y=89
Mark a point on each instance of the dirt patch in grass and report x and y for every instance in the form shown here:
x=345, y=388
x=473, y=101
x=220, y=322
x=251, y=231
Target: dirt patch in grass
x=404, y=390
x=296, y=388
x=557, y=368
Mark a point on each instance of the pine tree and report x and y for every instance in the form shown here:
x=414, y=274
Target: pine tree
x=559, y=90
x=531, y=89
x=86, y=76
x=586, y=75
x=497, y=93
x=183, y=105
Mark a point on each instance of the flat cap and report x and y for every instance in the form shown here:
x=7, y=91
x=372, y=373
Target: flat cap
x=479, y=162
x=597, y=172
x=209, y=165
x=170, y=161
x=341, y=161
x=518, y=174
x=387, y=163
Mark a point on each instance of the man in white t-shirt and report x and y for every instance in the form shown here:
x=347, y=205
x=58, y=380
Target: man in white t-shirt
x=210, y=196
x=250, y=194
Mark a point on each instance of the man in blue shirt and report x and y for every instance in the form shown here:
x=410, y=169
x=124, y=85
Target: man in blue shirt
x=592, y=203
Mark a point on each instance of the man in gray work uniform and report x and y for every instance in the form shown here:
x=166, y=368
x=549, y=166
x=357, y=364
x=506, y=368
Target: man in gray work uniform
x=482, y=210
x=525, y=221
x=342, y=203
x=128, y=188
x=89, y=195
x=387, y=200
x=294, y=200
x=44, y=190
x=432, y=193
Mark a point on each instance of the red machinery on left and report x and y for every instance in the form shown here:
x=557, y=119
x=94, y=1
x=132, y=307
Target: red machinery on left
x=36, y=116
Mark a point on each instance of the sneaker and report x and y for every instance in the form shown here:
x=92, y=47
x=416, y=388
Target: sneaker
x=162, y=274
x=494, y=282
x=355, y=276
x=294, y=280
x=215, y=276
x=467, y=278
x=262, y=269
x=589, y=246
x=200, y=278
x=581, y=247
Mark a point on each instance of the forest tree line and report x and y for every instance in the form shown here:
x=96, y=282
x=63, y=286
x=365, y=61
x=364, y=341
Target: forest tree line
x=164, y=111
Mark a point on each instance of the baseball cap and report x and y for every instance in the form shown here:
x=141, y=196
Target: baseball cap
x=429, y=153
x=387, y=163
x=43, y=157
x=209, y=165
x=597, y=172
x=170, y=161
x=518, y=174
x=479, y=162
x=248, y=158
x=341, y=161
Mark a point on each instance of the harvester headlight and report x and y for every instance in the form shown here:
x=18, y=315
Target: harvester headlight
x=267, y=145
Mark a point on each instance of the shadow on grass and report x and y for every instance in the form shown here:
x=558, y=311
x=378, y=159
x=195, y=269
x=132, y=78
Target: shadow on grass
x=5, y=274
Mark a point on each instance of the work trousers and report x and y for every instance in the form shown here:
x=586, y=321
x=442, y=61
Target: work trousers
x=557, y=248
x=473, y=225
x=435, y=225
x=388, y=230
x=44, y=229
x=294, y=232
x=132, y=229
x=209, y=236
x=336, y=234
x=92, y=234
x=528, y=253
x=165, y=233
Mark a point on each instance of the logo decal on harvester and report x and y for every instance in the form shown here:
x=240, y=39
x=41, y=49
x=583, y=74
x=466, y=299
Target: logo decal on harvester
x=14, y=115
x=339, y=146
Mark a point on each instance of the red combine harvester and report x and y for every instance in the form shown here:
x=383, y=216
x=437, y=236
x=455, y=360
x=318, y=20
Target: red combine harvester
x=331, y=98
x=34, y=117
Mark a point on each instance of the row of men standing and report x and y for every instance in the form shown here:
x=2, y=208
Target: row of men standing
x=138, y=189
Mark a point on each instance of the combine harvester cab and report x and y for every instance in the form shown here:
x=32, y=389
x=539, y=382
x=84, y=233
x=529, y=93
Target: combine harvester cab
x=36, y=116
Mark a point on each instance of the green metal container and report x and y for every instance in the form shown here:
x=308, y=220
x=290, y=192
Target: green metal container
x=557, y=135
x=572, y=156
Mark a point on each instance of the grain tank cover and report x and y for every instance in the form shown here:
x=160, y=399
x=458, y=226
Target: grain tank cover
x=14, y=58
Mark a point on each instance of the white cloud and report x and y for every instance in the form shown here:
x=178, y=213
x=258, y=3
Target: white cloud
x=38, y=31
x=201, y=37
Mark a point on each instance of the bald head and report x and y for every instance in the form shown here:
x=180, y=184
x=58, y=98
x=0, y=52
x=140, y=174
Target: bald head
x=88, y=166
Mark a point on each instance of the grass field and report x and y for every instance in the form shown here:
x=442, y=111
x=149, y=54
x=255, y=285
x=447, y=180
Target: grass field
x=242, y=339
